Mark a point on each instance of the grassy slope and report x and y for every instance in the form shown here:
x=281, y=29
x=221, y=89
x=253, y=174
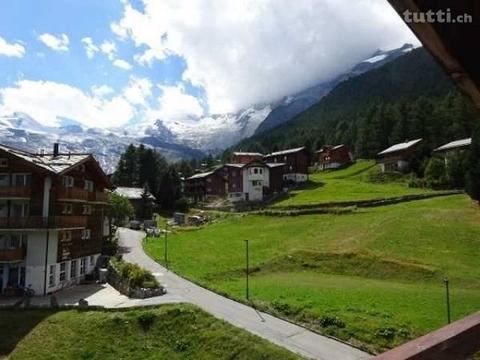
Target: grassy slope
x=347, y=184
x=376, y=270
x=177, y=332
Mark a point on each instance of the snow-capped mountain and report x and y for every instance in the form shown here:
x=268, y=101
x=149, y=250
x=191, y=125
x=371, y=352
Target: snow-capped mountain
x=208, y=134
x=292, y=105
x=22, y=131
x=174, y=140
x=185, y=138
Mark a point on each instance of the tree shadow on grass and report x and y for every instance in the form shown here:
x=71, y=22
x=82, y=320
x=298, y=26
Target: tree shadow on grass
x=15, y=324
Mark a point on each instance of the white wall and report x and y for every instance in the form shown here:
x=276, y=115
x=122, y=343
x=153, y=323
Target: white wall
x=255, y=192
x=35, y=259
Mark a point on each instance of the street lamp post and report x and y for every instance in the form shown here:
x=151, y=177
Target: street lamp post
x=447, y=290
x=166, y=246
x=247, y=271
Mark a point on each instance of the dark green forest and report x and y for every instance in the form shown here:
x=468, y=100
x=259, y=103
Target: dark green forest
x=406, y=99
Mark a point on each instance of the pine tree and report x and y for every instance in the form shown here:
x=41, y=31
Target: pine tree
x=473, y=175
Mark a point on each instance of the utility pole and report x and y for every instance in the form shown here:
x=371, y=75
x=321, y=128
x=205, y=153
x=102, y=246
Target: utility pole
x=247, y=271
x=166, y=245
x=447, y=290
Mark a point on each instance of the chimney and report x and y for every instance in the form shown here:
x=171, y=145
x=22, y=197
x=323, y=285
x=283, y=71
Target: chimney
x=55, y=149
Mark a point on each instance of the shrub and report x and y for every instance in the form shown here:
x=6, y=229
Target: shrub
x=386, y=333
x=182, y=205
x=146, y=320
x=110, y=247
x=330, y=321
x=135, y=275
x=436, y=173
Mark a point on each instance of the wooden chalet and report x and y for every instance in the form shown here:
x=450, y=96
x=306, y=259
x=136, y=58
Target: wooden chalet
x=333, y=157
x=296, y=163
x=245, y=157
x=398, y=156
x=143, y=202
x=51, y=219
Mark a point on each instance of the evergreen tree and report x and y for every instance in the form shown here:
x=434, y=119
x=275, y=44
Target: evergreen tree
x=170, y=188
x=473, y=175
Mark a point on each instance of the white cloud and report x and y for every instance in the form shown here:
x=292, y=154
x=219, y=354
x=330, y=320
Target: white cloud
x=57, y=43
x=101, y=90
x=150, y=55
x=138, y=90
x=11, y=49
x=49, y=101
x=109, y=48
x=122, y=64
x=254, y=51
x=90, y=47
x=174, y=104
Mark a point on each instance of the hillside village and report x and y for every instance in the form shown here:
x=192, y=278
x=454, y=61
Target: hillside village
x=344, y=225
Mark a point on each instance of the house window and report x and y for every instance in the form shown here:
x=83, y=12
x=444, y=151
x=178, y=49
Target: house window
x=19, y=209
x=4, y=180
x=87, y=209
x=92, y=260
x=67, y=181
x=67, y=209
x=285, y=158
x=82, y=266
x=209, y=180
x=51, y=276
x=260, y=171
x=88, y=185
x=65, y=236
x=63, y=271
x=255, y=171
x=22, y=179
x=3, y=162
x=234, y=186
x=86, y=233
x=73, y=269
x=256, y=183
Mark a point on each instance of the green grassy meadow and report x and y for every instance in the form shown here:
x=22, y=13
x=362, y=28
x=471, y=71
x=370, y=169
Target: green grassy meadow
x=165, y=332
x=347, y=185
x=373, y=277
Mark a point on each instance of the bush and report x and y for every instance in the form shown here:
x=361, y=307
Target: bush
x=182, y=205
x=135, y=275
x=436, y=174
x=330, y=321
x=110, y=247
x=146, y=320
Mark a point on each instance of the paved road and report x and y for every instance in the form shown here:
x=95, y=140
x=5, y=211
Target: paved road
x=280, y=332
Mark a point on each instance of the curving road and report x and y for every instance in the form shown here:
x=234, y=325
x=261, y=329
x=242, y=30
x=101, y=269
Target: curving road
x=280, y=332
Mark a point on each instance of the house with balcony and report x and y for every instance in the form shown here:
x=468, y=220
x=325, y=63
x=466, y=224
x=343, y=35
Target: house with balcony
x=253, y=181
x=333, y=157
x=51, y=219
x=296, y=163
x=206, y=185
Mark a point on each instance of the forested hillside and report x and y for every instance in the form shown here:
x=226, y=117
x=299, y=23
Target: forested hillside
x=408, y=98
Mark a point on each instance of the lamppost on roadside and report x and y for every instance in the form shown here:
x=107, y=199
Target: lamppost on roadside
x=166, y=246
x=247, y=271
x=447, y=290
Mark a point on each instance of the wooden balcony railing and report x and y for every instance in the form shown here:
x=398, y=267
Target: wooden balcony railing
x=15, y=192
x=459, y=340
x=97, y=196
x=12, y=254
x=72, y=193
x=40, y=222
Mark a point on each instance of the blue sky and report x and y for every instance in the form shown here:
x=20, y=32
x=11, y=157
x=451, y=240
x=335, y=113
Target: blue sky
x=176, y=60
